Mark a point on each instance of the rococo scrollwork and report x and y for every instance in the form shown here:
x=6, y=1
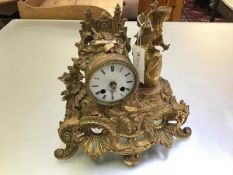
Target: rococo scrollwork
x=151, y=115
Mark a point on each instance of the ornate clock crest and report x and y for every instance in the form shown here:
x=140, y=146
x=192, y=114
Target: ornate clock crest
x=107, y=109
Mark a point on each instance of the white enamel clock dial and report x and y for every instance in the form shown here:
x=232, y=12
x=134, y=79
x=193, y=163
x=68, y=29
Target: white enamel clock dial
x=112, y=83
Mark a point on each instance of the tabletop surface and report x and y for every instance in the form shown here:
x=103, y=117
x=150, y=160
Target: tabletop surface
x=199, y=66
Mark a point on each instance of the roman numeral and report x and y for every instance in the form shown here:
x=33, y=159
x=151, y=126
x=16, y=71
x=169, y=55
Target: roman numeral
x=121, y=95
x=95, y=86
x=127, y=74
x=121, y=69
x=129, y=81
x=103, y=71
x=112, y=68
x=97, y=78
x=104, y=97
x=127, y=89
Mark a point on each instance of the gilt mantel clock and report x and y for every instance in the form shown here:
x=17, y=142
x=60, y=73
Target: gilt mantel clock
x=108, y=109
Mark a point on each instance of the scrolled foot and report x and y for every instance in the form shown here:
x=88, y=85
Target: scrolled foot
x=183, y=133
x=132, y=159
x=66, y=153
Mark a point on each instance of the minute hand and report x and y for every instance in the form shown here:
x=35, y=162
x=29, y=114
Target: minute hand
x=112, y=92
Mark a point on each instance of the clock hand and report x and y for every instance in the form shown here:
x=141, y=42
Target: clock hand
x=113, y=90
x=113, y=86
x=112, y=95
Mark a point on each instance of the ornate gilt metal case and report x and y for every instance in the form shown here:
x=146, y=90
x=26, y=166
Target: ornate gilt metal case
x=107, y=109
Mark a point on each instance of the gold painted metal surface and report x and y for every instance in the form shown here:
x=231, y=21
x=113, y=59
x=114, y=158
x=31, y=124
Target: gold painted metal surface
x=149, y=36
x=150, y=116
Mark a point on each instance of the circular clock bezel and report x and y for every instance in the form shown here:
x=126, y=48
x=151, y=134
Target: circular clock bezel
x=109, y=62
